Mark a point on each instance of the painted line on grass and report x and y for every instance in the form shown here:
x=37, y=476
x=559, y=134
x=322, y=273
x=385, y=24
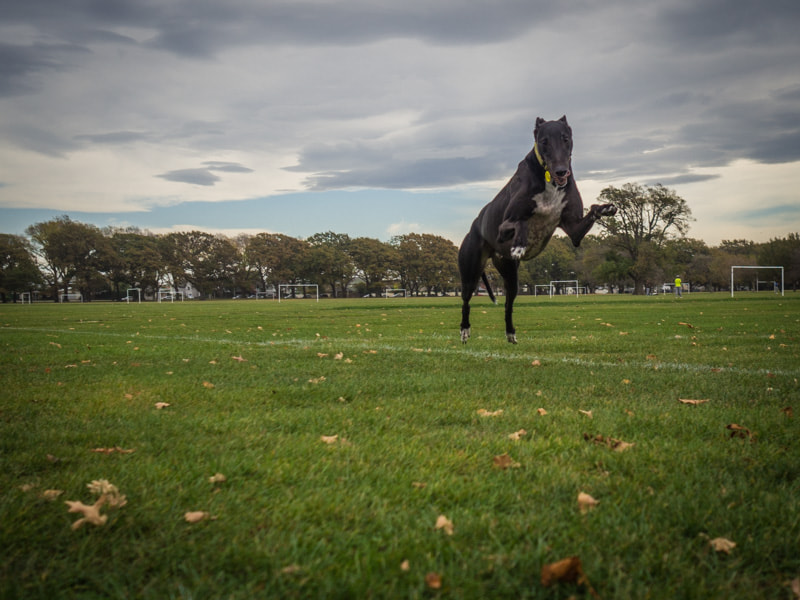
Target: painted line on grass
x=381, y=344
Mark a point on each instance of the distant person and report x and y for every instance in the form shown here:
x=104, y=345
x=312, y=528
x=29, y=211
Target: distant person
x=678, y=286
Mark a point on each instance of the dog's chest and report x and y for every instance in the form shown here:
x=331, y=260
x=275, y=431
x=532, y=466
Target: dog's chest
x=545, y=219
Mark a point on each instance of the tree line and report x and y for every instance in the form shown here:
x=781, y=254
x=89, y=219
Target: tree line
x=643, y=246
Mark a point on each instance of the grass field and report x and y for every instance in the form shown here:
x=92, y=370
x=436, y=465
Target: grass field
x=346, y=429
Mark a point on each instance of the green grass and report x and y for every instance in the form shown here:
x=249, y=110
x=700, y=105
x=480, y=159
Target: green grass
x=300, y=518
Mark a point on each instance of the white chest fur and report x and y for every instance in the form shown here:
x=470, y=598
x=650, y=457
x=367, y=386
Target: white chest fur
x=545, y=219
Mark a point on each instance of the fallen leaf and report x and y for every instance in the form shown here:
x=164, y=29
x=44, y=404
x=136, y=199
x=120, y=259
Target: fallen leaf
x=405, y=565
x=517, y=435
x=196, y=516
x=419, y=484
x=239, y=358
x=686, y=324
x=542, y=412
x=27, y=487
x=208, y=385
x=329, y=439
x=485, y=413
x=737, y=431
x=504, y=461
x=795, y=586
x=316, y=380
x=444, y=523
x=588, y=413
x=338, y=356
x=722, y=545
x=433, y=581
x=91, y=514
x=291, y=570
x=788, y=411
x=217, y=478
x=586, y=502
x=321, y=354
x=613, y=443
x=568, y=570
x=51, y=494
x=536, y=363
x=160, y=405
x=692, y=402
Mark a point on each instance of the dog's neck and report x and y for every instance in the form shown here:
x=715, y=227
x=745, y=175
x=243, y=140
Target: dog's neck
x=547, y=177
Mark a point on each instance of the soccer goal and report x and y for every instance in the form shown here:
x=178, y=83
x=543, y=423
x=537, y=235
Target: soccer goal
x=129, y=296
x=25, y=297
x=168, y=294
x=553, y=288
x=395, y=293
x=733, y=269
x=549, y=289
x=297, y=285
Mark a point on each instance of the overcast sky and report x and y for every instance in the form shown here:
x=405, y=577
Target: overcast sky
x=379, y=117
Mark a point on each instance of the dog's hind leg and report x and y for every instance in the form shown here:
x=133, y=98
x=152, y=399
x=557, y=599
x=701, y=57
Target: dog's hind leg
x=470, y=264
x=509, y=269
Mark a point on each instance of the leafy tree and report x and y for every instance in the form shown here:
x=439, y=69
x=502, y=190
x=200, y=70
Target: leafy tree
x=18, y=271
x=329, y=260
x=138, y=262
x=557, y=262
x=372, y=260
x=783, y=252
x=276, y=258
x=647, y=216
x=425, y=261
x=71, y=250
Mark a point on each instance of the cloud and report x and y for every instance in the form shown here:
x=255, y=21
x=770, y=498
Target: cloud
x=193, y=176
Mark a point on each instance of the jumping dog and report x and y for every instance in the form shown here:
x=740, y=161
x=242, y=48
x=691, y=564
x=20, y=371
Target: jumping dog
x=518, y=223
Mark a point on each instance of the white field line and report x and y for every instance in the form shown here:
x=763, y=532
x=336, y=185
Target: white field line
x=454, y=350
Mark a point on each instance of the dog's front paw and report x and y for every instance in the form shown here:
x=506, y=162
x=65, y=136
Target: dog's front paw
x=604, y=210
x=465, y=335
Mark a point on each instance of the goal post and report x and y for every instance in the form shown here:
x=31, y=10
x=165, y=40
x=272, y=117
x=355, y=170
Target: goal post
x=549, y=288
x=297, y=285
x=733, y=269
x=129, y=296
x=553, y=287
x=395, y=292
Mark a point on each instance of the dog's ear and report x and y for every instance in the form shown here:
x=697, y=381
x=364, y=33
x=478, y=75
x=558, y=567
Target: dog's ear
x=539, y=121
x=563, y=119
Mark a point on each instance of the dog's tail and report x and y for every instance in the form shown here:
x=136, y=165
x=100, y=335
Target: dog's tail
x=488, y=287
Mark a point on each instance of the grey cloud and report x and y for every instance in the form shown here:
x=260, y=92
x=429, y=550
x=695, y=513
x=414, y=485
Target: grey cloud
x=204, y=176
x=194, y=176
x=115, y=137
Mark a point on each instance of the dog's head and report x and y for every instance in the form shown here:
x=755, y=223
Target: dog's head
x=554, y=147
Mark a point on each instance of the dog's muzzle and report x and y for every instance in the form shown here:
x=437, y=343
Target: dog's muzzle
x=560, y=178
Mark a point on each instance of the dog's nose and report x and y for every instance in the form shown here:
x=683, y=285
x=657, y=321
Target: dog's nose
x=562, y=173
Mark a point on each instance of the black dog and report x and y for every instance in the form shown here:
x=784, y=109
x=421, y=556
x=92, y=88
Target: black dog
x=521, y=219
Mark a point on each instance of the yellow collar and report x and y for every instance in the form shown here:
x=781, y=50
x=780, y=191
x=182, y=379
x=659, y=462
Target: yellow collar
x=547, y=176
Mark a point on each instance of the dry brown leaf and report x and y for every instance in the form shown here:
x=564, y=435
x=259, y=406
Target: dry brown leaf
x=51, y=494
x=692, y=402
x=317, y=379
x=586, y=502
x=568, y=570
x=196, y=516
x=737, y=431
x=433, y=581
x=405, y=566
x=588, y=413
x=504, y=461
x=722, y=545
x=208, y=385
x=517, y=435
x=239, y=358
x=787, y=410
x=542, y=412
x=321, y=354
x=686, y=324
x=536, y=363
x=91, y=514
x=485, y=413
x=329, y=439
x=613, y=443
x=217, y=478
x=338, y=356
x=445, y=524
x=160, y=405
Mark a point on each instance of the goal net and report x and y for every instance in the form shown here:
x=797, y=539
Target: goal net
x=288, y=286
x=733, y=270
x=395, y=293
